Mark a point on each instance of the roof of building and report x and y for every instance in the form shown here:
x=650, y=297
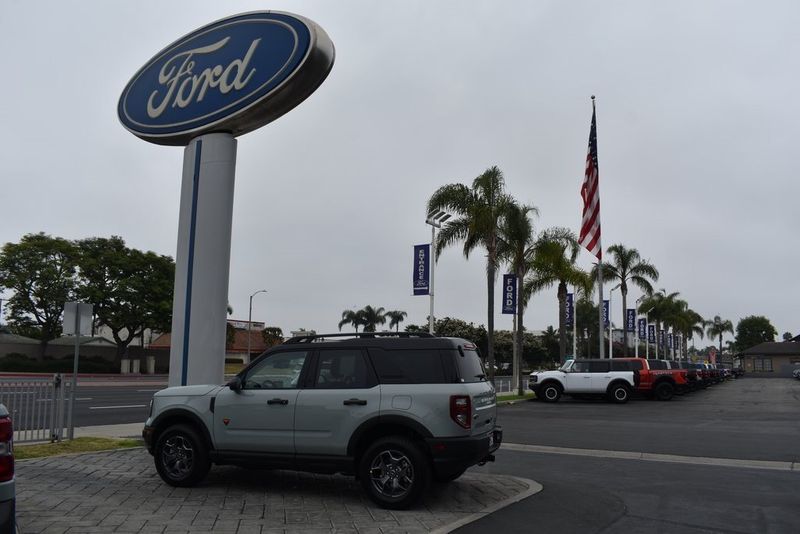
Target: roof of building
x=239, y=344
x=776, y=348
x=84, y=340
x=8, y=337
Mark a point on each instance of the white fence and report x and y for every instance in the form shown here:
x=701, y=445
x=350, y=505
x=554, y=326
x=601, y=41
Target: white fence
x=502, y=384
x=37, y=407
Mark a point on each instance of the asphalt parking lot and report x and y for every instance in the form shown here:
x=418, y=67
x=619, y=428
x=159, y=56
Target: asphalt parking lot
x=718, y=460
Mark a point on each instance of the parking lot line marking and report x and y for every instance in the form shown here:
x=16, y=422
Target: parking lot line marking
x=654, y=457
x=115, y=407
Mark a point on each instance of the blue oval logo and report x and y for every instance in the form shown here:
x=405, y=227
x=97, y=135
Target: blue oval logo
x=234, y=75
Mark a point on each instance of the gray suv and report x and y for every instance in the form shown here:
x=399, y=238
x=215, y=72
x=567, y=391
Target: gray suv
x=396, y=410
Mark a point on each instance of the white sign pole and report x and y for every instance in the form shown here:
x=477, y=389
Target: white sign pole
x=77, y=317
x=202, y=264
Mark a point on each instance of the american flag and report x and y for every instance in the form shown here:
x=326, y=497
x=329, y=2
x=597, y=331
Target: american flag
x=590, y=191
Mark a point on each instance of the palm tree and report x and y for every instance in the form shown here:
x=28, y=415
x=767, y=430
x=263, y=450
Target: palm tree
x=553, y=262
x=372, y=317
x=477, y=211
x=627, y=266
x=395, y=318
x=659, y=307
x=351, y=317
x=687, y=322
x=516, y=246
x=716, y=327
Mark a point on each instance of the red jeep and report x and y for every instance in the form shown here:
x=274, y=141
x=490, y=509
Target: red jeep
x=656, y=380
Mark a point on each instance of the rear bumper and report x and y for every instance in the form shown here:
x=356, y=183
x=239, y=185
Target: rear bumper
x=451, y=455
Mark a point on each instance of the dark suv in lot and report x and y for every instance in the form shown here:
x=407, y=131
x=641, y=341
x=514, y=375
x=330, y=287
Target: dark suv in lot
x=397, y=411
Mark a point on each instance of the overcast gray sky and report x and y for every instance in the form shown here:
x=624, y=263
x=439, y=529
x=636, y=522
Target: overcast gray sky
x=697, y=114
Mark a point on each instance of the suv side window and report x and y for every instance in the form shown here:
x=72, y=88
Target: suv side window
x=657, y=364
x=342, y=369
x=277, y=371
x=598, y=366
x=580, y=367
x=408, y=366
x=621, y=365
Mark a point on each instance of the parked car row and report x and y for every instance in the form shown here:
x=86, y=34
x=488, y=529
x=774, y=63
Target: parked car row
x=618, y=379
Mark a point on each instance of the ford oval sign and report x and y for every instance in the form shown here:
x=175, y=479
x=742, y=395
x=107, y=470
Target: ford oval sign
x=234, y=75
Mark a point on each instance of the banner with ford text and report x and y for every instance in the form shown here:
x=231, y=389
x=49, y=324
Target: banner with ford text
x=651, y=333
x=669, y=340
x=605, y=314
x=570, y=315
x=630, y=320
x=642, y=329
x=422, y=261
x=509, y=293
x=662, y=337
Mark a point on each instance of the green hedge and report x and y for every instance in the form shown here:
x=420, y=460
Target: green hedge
x=20, y=363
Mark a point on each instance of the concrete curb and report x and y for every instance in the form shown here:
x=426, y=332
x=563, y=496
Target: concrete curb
x=533, y=488
x=656, y=457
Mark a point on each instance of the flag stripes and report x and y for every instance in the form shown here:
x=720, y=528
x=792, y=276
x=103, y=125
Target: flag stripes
x=590, y=192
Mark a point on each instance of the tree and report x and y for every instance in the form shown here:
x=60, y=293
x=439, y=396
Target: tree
x=753, y=330
x=351, y=317
x=716, y=327
x=627, y=266
x=452, y=327
x=40, y=270
x=516, y=246
x=787, y=336
x=130, y=290
x=659, y=307
x=395, y=318
x=550, y=342
x=586, y=312
x=372, y=317
x=272, y=335
x=477, y=212
x=688, y=323
x=553, y=262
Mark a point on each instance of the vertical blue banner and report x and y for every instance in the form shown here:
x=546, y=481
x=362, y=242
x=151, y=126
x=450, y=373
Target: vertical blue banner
x=570, y=315
x=605, y=314
x=630, y=320
x=422, y=263
x=651, y=333
x=662, y=337
x=509, y=293
x=669, y=340
x=642, y=329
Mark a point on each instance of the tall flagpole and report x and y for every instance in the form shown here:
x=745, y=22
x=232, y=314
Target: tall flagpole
x=575, y=322
x=601, y=329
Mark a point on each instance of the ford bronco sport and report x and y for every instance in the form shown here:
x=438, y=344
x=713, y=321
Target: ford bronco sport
x=396, y=410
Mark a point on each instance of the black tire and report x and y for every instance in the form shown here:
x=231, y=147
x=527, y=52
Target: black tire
x=444, y=479
x=664, y=391
x=551, y=392
x=619, y=393
x=181, y=456
x=394, y=472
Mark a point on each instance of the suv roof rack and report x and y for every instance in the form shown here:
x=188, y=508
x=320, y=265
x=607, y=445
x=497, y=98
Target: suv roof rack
x=319, y=337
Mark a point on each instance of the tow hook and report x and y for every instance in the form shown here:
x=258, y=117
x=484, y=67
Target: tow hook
x=489, y=458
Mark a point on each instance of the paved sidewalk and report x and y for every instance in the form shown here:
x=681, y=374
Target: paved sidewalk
x=120, y=491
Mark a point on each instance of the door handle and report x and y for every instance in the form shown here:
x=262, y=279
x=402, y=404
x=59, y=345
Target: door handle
x=356, y=402
x=282, y=402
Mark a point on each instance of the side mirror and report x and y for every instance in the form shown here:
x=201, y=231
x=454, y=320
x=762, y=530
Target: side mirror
x=235, y=384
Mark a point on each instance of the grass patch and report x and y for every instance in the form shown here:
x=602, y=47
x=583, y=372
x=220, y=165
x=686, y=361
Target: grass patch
x=501, y=398
x=24, y=452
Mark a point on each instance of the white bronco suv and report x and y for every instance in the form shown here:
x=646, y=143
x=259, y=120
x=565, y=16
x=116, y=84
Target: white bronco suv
x=610, y=378
x=395, y=410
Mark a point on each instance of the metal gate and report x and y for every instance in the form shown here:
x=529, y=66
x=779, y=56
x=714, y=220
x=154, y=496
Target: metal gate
x=37, y=407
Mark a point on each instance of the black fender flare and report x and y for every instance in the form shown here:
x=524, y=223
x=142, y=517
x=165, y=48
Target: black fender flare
x=393, y=420
x=181, y=413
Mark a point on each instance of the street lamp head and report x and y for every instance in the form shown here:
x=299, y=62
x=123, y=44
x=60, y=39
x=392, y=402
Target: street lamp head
x=436, y=218
x=257, y=292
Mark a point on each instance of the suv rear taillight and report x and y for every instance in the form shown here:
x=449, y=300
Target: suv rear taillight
x=6, y=449
x=461, y=410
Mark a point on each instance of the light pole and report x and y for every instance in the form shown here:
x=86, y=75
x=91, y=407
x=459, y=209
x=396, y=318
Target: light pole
x=636, y=337
x=435, y=220
x=250, y=321
x=610, y=327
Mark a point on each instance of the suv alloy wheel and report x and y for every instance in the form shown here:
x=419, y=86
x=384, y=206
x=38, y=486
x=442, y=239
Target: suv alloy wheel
x=619, y=393
x=181, y=456
x=394, y=472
